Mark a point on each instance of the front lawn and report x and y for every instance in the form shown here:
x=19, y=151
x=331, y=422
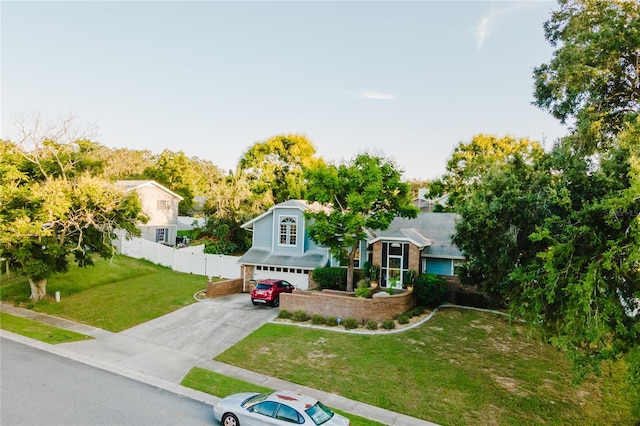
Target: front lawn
x=461, y=367
x=113, y=295
x=38, y=331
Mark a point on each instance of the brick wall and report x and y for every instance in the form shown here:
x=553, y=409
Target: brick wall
x=344, y=305
x=224, y=288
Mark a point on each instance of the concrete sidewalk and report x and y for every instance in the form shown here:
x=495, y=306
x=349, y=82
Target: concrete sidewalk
x=162, y=351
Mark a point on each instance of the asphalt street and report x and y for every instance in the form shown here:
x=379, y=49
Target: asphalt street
x=41, y=388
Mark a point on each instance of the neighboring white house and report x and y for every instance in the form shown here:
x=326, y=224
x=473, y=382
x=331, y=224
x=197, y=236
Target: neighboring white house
x=160, y=205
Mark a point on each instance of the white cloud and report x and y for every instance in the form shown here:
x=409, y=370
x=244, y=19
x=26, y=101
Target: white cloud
x=489, y=21
x=376, y=95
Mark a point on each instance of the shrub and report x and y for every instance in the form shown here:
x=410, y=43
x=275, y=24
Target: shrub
x=284, y=314
x=300, y=316
x=417, y=311
x=317, y=319
x=332, y=278
x=388, y=324
x=332, y=321
x=403, y=319
x=430, y=290
x=372, y=325
x=364, y=292
x=350, y=323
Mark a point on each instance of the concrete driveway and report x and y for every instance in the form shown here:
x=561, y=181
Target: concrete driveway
x=169, y=346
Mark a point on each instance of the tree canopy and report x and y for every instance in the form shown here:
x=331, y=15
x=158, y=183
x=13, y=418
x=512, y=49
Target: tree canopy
x=51, y=207
x=557, y=235
x=276, y=166
x=366, y=193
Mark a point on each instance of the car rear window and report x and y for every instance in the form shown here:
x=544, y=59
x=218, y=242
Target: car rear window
x=262, y=286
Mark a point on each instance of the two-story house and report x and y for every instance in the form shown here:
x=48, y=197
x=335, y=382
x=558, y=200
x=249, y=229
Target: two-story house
x=160, y=205
x=281, y=247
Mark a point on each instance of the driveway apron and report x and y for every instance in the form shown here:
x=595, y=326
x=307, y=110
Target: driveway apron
x=169, y=346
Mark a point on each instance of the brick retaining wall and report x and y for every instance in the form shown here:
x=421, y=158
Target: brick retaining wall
x=344, y=305
x=224, y=288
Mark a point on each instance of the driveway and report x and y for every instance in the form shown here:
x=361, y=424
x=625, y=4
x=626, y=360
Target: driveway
x=169, y=346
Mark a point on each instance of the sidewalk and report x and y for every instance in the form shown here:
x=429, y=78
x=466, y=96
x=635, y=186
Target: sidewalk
x=160, y=352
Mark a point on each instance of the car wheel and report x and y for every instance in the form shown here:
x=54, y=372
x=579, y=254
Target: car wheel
x=254, y=302
x=276, y=301
x=230, y=420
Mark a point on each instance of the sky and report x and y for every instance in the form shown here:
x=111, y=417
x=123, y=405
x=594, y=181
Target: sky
x=407, y=80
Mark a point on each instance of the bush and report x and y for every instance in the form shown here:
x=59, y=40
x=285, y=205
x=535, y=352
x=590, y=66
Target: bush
x=364, y=292
x=417, y=311
x=332, y=321
x=388, y=324
x=284, y=314
x=300, y=316
x=350, y=323
x=372, y=325
x=332, y=278
x=430, y=290
x=317, y=319
x=403, y=319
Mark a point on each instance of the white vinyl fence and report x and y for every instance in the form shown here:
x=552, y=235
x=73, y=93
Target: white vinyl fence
x=191, y=260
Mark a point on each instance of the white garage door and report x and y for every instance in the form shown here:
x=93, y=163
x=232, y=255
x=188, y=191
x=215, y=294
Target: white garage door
x=299, y=280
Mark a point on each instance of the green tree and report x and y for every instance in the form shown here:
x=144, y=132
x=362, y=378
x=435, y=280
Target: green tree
x=366, y=193
x=593, y=79
x=48, y=210
x=471, y=161
x=229, y=204
x=497, y=215
x=276, y=167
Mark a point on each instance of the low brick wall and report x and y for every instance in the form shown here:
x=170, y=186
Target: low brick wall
x=224, y=288
x=344, y=305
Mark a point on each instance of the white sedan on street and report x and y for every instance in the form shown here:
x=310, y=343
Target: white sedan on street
x=276, y=408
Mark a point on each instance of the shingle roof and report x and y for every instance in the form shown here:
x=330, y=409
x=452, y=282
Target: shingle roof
x=310, y=259
x=438, y=228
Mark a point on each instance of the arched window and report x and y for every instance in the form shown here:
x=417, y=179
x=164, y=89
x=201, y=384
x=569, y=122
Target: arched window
x=288, y=231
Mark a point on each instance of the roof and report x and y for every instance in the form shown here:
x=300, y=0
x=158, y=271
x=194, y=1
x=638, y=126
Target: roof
x=132, y=185
x=310, y=259
x=302, y=205
x=295, y=400
x=436, y=228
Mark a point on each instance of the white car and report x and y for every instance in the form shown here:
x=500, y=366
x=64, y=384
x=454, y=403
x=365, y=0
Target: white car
x=276, y=408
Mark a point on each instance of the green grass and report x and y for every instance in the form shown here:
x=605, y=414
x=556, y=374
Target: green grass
x=113, y=295
x=39, y=331
x=461, y=367
x=221, y=386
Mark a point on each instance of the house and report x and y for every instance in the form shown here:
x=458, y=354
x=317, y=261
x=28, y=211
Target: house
x=281, y=247
x=160, y=205
x=429, y=205
x=422, y=244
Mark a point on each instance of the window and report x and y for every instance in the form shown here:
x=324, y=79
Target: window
x=162, y=235
x=288, y=414
x=395, y=262
x=164, y=205
x=288, y=231
x=266, y=408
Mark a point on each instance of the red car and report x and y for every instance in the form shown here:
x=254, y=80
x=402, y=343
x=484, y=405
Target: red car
x=268, y=291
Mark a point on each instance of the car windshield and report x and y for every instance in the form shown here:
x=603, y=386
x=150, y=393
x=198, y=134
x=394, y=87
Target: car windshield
x=319, y=413
x=262, y=286
x=254, y=400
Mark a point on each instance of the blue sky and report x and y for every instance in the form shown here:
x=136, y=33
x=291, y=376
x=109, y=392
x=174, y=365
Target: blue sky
x=409, y=80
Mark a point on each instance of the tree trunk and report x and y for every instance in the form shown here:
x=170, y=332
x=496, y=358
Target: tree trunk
x=350, y=256
x=38, y=288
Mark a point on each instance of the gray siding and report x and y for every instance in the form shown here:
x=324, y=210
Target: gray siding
x=262, y=233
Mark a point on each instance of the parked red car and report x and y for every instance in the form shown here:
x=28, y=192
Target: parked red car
x=268, y=291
